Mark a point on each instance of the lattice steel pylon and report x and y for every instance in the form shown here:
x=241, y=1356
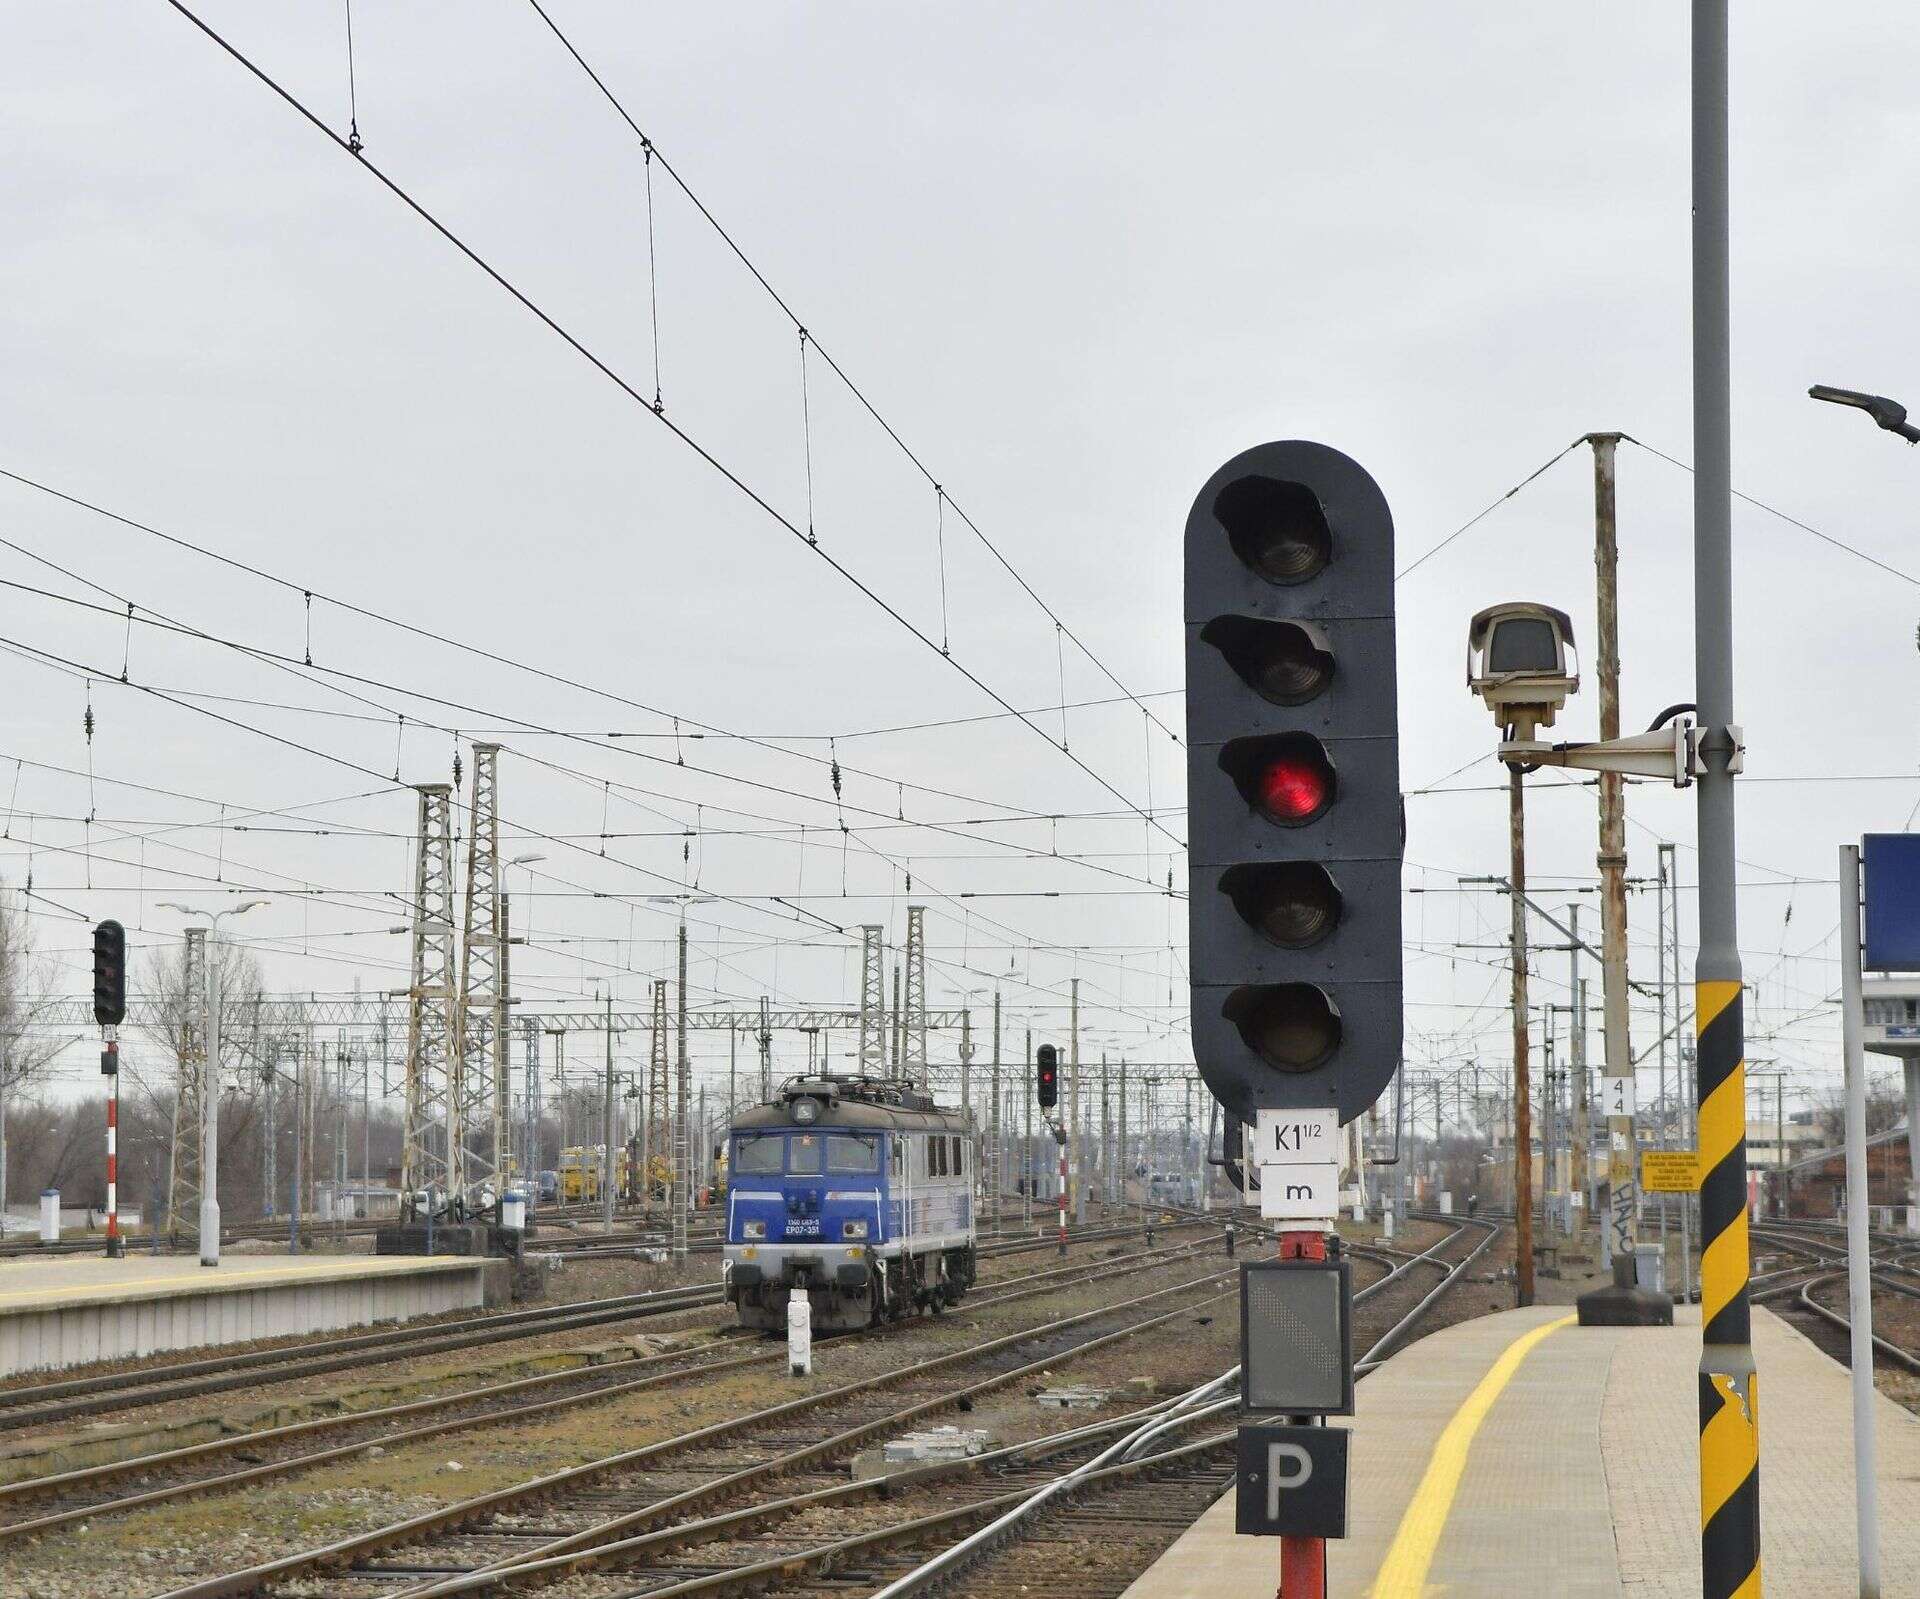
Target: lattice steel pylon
x=657, y=1144
x=873, y=1002
x=432, y=1125
x=190, y=1056
x=479, y=1043
x=914, y=1067
x=765, y=1038
x=530, y=1104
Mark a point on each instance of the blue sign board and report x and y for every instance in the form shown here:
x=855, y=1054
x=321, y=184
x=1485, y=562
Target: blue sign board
x=1890, y=864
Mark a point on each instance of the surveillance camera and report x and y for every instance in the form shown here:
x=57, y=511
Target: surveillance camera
x=1517, y=661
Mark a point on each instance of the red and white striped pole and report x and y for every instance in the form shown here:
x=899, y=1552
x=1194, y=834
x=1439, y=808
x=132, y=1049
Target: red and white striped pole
x=1303, y=1561
x=110, y=1064
x=1060, y=1132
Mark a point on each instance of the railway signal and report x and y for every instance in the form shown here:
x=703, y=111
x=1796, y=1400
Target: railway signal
x=109, y=974
x=109, y=1011
x=1296, y=832
x=1046, y=1078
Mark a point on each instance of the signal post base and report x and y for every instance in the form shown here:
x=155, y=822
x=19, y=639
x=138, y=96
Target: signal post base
x=1624, y=1304
x=1581, y=1480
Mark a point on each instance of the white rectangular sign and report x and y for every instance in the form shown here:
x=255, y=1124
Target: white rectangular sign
x=1300, y=1190
x=1290, y=1137
x=1617, y=1094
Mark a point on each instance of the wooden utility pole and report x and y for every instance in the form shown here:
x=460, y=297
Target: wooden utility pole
x=1522, y=1097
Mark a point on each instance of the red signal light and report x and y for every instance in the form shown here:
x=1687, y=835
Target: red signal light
x=1047, y=1079
x=1294, y=789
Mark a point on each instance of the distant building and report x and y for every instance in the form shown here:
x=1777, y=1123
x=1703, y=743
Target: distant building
x=1817, y=1182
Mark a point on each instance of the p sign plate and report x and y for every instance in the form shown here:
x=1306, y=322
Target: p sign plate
x=1292, y=1482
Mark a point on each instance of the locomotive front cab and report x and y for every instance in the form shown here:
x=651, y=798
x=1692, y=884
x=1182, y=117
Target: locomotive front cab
x=806, y=1208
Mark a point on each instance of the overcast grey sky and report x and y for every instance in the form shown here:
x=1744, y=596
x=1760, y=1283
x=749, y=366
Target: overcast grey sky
x=1076, y=255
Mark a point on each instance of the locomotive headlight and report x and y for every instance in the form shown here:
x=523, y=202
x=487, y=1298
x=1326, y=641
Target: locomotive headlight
x=753, y=1229
x=806, y=1111
x=853, y=1229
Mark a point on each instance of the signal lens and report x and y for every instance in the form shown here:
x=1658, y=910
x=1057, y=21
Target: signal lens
x=1286, y=777
x=1293, y=790
x=1277, y=528
x=1282, y=662
x=1294, y=903
x=1293, y=1027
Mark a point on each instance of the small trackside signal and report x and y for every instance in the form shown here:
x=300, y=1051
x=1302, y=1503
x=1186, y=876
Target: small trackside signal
x=1046, y=1075
x=109, y=974
x=1295, y=823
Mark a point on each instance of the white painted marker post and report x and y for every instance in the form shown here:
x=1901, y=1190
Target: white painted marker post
x=799, y=1334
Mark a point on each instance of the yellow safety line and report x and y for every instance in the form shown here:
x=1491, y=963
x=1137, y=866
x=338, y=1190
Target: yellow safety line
x=120, y=1288
x=1403, y=1574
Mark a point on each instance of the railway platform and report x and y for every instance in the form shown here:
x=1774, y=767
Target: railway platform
x=1522, y=1453
x=72, y=1310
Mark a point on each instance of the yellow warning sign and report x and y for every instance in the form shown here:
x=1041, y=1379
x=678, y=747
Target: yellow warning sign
x=1670, y=1171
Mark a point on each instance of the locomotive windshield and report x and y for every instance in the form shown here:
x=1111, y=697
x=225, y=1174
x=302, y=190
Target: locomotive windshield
x=853, y=1152
x=757, y=1156
x=803, y=1153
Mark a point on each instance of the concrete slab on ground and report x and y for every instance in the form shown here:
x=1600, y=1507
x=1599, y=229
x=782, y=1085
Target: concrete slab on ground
x=1577, y=1475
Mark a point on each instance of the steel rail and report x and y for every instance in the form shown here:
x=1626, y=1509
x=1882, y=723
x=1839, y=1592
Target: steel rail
x=945, y=1565
x=464, y=1511
x=595, y=1382
x=533, y=1565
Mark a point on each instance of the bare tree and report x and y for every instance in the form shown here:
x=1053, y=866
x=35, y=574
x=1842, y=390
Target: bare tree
x=174, y=1014
x=26, y=989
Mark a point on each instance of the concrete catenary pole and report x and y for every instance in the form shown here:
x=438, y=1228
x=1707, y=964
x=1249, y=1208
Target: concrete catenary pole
x=1623, y=1181
x=684, y=1091
x=1729, y=1413
x=1581, y=1144
x=996, y=1175
x=210, y=1110
x=606, y=1126
x=1859, y=1262
x=1913, y=1142
x=1026, y=1143
x=1522, y=1093
x=1077, y=1154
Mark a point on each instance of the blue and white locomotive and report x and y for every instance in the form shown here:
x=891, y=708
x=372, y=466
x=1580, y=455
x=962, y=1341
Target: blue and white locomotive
x=858, y=1189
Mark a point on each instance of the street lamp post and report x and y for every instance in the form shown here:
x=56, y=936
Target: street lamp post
x=210, y=1083
x=680, y=1191
x=1890, y=415
x=530, y=1128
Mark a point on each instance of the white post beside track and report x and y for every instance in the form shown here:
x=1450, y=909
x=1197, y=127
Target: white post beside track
x=799, y=1333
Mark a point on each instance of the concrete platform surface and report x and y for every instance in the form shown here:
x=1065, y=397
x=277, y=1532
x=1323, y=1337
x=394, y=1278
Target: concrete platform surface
x=1522, y=1453
x=72, y=1310
x=93, y=1279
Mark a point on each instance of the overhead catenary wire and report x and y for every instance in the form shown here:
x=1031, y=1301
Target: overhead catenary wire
x=859, y=394
x=160, y=621
x=702, y=729
x=367, y=771
x=580, y=348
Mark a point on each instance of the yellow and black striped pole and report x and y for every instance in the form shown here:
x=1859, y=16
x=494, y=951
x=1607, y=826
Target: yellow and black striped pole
x=1729, y=1401
x=1729, y=1413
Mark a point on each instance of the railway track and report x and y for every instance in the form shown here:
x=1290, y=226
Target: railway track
x=615, y=1496
x=66, y=1399
x=1089, y=1535
x=668, y=1518
x=37, y=1505
x=1798, y=1288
